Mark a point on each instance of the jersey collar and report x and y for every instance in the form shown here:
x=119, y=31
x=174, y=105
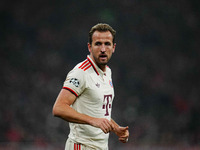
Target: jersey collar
x=95, y=67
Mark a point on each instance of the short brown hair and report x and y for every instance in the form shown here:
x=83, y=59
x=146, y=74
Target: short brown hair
x=101, y=27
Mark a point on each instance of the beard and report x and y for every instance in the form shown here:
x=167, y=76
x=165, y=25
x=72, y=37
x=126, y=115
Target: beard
x=101, y=61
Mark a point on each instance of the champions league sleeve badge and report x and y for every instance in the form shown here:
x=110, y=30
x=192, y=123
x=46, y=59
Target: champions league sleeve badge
x=74, y=81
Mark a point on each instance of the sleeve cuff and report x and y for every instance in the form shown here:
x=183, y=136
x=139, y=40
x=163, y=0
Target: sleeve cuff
x=73, y=92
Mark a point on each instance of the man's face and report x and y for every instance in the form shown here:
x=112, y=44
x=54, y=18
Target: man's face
x=101, y=48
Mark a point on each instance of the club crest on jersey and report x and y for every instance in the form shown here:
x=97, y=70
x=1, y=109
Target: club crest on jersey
x=74, y=81
x=110, y=82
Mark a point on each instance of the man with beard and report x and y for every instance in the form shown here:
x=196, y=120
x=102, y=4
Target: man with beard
x=85, y=100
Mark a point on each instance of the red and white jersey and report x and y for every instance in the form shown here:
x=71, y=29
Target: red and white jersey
x=95, y=93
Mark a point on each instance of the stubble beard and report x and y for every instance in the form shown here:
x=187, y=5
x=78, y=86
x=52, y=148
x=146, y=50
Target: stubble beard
x=101, y=63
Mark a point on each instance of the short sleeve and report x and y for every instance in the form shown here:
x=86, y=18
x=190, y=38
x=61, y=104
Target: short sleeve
x=75, y=81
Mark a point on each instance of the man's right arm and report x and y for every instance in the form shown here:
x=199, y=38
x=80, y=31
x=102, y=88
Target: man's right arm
x=63, y=110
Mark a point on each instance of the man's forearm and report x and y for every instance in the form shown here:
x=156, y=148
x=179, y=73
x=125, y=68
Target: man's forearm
x=116, y=126
x=114, y=122
x=69, y=114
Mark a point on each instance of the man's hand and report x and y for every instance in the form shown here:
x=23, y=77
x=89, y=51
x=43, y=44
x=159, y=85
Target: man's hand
x=104, y=124
x=122, y=133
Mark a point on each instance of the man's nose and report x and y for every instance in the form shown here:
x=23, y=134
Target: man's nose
x=103, y=49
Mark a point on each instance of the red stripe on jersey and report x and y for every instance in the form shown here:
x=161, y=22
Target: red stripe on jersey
x=71, y=91
x=92, y=65
x=74, y=146
x=83, y=63
x=87, y=67
x=79, y=146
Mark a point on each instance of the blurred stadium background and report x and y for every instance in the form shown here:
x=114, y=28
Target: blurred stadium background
x=155, y=70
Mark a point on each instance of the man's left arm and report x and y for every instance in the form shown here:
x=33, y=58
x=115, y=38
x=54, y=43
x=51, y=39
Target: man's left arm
x=121, y=132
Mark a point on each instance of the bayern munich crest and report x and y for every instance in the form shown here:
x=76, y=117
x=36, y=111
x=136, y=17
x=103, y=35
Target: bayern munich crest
x=110, y=82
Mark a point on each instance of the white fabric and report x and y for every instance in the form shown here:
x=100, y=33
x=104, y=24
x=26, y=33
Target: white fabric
x=95, y=94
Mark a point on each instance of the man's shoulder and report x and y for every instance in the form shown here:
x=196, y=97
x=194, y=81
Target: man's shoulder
x=83, y=66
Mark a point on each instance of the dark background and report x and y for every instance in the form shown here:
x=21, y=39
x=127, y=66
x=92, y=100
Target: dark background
x=155, y=69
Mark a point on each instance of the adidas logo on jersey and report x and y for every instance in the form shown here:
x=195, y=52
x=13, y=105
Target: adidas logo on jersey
x=98, y=85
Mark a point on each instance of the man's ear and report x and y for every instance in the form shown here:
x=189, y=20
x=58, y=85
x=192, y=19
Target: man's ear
x=89, y=47
x=114, y=46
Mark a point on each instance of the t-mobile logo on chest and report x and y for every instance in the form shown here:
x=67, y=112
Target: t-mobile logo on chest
x=107, y=102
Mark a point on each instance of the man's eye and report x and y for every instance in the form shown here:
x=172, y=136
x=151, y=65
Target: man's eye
x=108, y=43
x=97, y=43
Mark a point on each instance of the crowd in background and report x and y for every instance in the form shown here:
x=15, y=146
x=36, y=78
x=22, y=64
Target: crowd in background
x=155, y=67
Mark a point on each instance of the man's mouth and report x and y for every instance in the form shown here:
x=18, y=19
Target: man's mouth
x=103, y=56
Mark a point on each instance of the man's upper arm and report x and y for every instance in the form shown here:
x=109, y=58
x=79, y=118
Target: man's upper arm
x=65, y=97
x=64, y=100
x=72, y=88
x=63, y=110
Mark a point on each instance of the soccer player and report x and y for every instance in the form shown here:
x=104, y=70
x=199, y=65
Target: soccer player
x=85, y=100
